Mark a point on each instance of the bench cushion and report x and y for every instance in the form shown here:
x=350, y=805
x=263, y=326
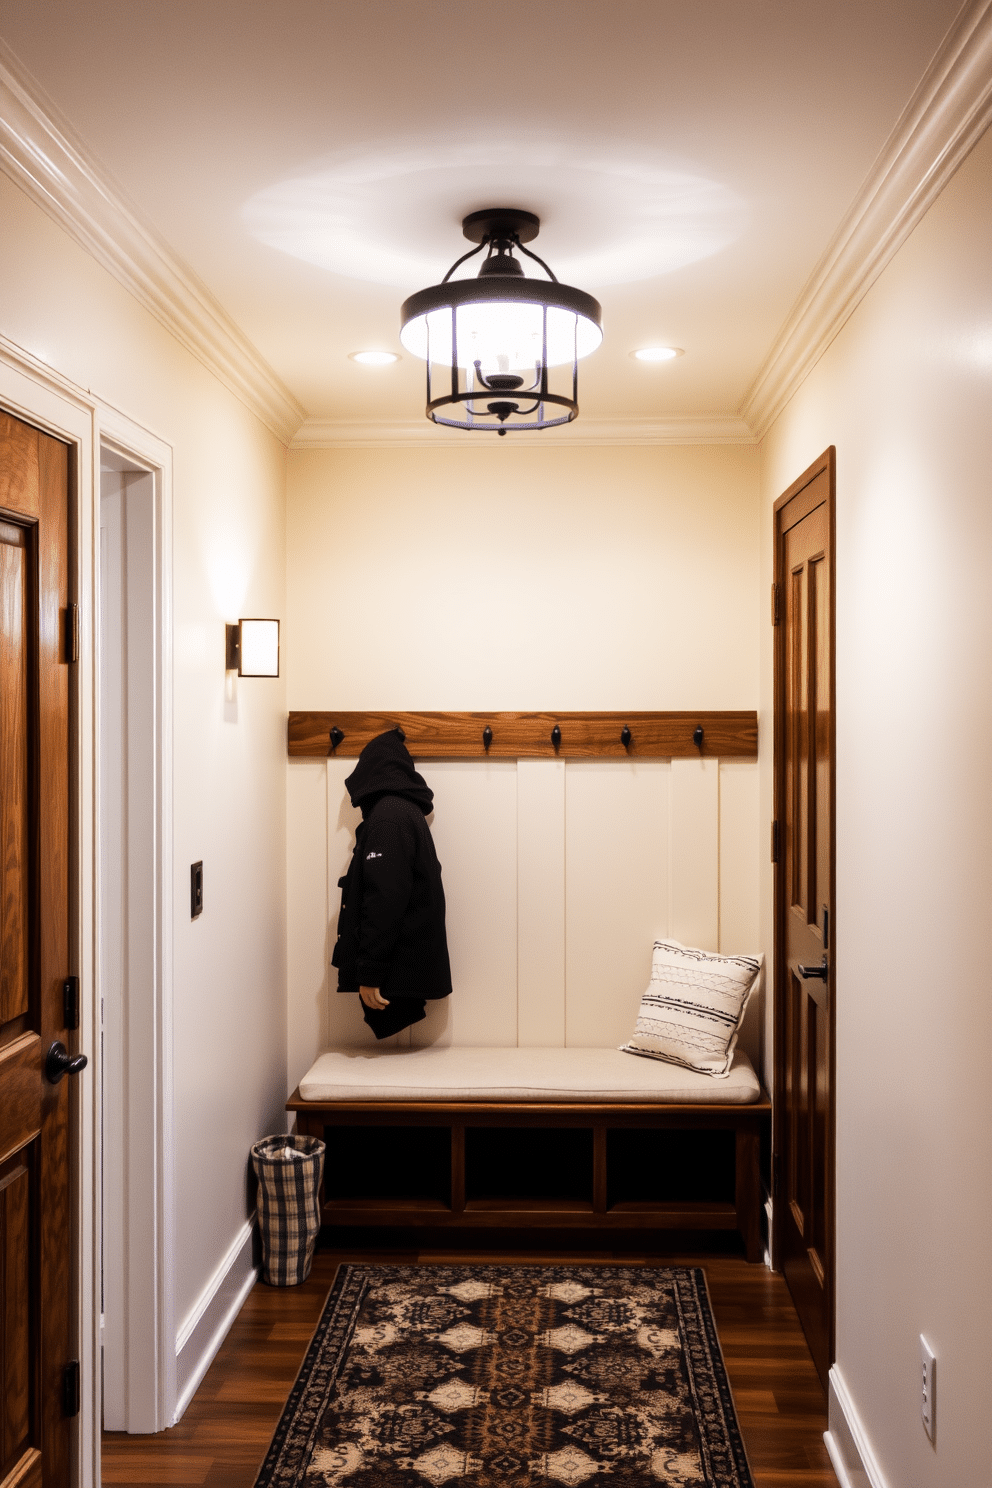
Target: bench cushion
x=456, y=1074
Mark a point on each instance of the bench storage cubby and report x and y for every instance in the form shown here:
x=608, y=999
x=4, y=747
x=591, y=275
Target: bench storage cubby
x=535, y=1138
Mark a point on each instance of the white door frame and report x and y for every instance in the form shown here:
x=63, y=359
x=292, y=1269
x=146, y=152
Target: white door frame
x=138, y=1187
x=31, y=390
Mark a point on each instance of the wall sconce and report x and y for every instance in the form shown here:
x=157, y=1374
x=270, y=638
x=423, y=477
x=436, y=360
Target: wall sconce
x=253, y=648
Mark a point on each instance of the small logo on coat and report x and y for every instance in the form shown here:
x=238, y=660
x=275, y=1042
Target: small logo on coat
x=372, y=855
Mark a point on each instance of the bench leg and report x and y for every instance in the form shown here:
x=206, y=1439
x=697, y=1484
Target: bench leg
x=747, y=1196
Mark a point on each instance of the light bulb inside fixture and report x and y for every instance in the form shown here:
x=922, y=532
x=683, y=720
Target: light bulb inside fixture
x=373, y=358
x=504, y=336
x=657, y=353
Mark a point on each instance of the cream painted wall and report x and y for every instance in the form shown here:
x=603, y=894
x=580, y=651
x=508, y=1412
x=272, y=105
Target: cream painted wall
x=905, y=394
x=480, y=577
x=229, y=493
x=494, y=576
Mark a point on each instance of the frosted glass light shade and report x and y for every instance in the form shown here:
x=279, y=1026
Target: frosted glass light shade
x=259, y=650
x=491, y=343
x=505, y=336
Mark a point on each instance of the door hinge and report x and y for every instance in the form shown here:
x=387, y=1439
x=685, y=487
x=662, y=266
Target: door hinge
x=70, y=1002
x=72, y=632
x=70, y=1389
x=776, y=602
x=774, y=841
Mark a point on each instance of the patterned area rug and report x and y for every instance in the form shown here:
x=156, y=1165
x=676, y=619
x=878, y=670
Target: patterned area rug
x=511, y=1377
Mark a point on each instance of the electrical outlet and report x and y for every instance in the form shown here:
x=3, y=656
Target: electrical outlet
x=928, y=1383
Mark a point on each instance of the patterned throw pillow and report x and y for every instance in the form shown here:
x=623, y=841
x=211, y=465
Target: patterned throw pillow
x=693, y=1007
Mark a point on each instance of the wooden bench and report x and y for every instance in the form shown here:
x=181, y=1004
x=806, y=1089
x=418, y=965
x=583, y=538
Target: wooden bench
x=576, y=1139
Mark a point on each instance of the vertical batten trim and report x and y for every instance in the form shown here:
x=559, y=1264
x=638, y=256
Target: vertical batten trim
x=719, y=851
x=329, y=911
x=695, y=880
x=542, y=1008
x=516, y=799
x=670, y=931
x=564, y=906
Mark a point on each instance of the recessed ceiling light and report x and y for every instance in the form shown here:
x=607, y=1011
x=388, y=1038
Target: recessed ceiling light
x=657, y=353
x=373, y=358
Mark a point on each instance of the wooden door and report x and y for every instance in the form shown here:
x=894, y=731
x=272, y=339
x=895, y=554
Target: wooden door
x=804, y=828
x=37, y=1391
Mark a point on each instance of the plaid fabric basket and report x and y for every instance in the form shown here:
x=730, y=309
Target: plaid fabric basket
x=289, y=1171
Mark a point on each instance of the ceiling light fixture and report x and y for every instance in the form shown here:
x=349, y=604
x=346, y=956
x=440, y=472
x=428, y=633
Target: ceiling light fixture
x=490, y=342
x=373, y=358
x=657, y=353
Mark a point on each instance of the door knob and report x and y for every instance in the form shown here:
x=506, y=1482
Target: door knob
x=820, y=973
x=60, y=1062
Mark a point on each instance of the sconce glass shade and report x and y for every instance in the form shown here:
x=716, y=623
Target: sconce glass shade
x=253, y=647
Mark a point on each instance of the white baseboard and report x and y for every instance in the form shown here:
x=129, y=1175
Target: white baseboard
x=209, y=1321
x=847, y=1445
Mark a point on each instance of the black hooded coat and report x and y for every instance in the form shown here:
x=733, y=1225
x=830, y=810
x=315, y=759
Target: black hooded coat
x=391, y=925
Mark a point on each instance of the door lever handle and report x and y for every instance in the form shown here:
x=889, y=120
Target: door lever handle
x=59, y=1063
x=817, y=973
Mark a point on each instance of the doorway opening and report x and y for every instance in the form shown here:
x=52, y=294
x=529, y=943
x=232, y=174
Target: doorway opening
x=137, y=1333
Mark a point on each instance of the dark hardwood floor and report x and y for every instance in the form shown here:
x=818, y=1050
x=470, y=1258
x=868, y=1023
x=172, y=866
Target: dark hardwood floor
x=223, y=1436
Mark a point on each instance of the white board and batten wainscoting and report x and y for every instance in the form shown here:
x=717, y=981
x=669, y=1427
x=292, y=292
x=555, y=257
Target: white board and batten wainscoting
x=559, y=875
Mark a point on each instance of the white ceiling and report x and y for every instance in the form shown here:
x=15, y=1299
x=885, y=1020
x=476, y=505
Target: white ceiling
x=690, y=160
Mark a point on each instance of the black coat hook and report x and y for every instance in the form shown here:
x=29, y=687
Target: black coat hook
x=336, y=737
x=402, y=735
x=556, y=737
x=697, y=736
x=626, y=736
x=487, y=737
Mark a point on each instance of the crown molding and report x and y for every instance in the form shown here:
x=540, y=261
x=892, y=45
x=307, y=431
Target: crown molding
x=585, y=432
x=41, y=153
x=946, y=116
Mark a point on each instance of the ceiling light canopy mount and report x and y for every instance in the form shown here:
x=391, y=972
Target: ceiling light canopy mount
x=501, y=223
x=501, y=334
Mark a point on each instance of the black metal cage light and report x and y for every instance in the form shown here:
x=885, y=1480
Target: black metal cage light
x=491, y=343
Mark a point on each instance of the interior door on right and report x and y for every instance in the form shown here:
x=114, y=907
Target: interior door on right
x=804, y=981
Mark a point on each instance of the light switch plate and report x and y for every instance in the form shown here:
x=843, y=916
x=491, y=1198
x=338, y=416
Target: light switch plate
x=928, y=1384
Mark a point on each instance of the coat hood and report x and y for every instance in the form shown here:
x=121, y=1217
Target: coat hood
x=385, y=768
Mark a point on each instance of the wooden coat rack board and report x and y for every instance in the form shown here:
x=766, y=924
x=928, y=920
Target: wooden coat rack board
x=450, y=736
